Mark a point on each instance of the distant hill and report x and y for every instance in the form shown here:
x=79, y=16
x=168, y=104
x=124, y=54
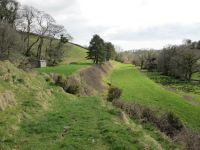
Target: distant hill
x=74, y=53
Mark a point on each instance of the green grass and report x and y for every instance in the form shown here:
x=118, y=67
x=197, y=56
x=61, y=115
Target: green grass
x=91, y=126
x=43, y=110
x=64, y=69
x=74, y=53
x=138, y=88
x=196, y=76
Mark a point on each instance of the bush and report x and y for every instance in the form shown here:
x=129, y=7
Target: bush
x=174, y=121
x=169, y=124
x=114, y=94
x=59, y=80
x=72, y=89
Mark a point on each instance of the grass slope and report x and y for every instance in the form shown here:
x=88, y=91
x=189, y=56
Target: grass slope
x=138, y=88
x=72, y=52
x=45, y=117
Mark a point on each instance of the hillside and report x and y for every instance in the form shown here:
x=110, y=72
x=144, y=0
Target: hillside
x=59, y=95
x=72, y=52
x=43, y=116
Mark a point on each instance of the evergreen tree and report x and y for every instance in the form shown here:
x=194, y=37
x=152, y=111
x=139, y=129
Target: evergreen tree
x=110, y=51
x=96, y=50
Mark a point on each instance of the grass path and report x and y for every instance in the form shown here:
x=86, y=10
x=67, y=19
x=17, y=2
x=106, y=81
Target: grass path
x=90, y=126
x=138, y=88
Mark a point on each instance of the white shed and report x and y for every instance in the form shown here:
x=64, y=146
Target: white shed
x=42, y=63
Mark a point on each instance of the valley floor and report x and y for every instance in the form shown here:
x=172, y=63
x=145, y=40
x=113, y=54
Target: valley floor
x=140, y=89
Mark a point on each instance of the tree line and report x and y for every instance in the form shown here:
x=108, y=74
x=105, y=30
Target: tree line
x=179, y=61
x=100, y=51
x=24, y=28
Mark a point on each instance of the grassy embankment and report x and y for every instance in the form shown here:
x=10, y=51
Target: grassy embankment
x=140, y=89
x=44, y=117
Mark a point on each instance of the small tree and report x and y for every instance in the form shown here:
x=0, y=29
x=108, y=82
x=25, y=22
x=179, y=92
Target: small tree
x=26, y=23
x=96, y=50
x=55, y=53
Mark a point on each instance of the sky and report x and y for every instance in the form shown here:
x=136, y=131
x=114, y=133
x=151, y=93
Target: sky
x=129, y=24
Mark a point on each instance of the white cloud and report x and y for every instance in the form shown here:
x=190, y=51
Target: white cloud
x=128, y=23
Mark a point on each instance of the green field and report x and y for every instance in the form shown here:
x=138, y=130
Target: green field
x=67, y=69
x=74, y=53
x=140, y=89
x=45, y=117
x=74, y=59
x=196, y=76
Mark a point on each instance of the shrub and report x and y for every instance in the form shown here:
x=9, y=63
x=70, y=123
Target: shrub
x=148, y=115
x=169, y=124
x=114, y=93
x=72, y=89
x=174, y=121
x=59, y=80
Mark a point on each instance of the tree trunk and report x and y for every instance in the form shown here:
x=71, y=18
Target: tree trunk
x=39, y=52
x=30, y=47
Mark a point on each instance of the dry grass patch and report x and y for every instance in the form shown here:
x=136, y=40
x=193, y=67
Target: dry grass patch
x=7, y=99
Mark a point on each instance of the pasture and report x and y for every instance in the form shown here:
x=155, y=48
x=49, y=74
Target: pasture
x=138, y=88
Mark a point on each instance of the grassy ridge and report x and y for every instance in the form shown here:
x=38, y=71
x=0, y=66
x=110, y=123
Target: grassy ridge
x=138, y=88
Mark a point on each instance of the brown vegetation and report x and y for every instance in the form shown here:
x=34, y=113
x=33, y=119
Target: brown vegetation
x=167, y=123
x=86, y=82
x=7, y=100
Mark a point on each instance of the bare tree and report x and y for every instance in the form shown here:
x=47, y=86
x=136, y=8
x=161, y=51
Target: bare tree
x=27, y=21
x=8, y=11
x=9, y=40
x=44, y=23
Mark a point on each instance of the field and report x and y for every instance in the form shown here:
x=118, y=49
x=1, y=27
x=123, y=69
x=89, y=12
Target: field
x=74, y=59
x=140, y=89
x=40, y=115
x=196, y=76
x=67, y=69
x=45, y=117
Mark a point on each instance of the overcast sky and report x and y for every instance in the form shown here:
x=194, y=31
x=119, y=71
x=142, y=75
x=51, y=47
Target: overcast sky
x=130, y=24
